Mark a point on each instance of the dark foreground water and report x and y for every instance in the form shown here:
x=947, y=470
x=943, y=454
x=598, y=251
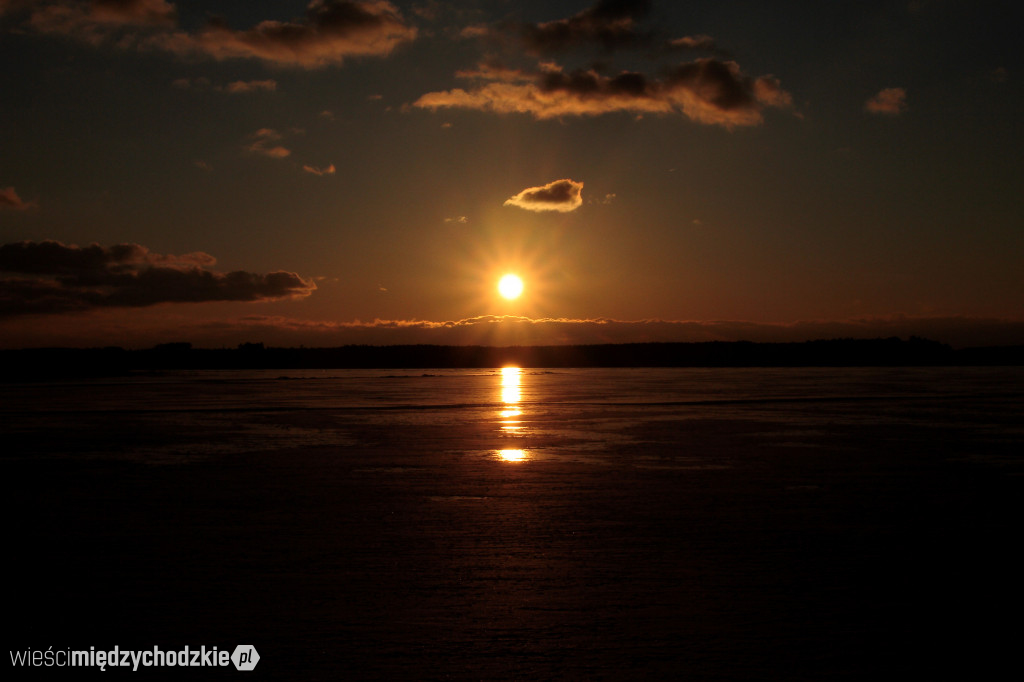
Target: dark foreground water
x=722, y=524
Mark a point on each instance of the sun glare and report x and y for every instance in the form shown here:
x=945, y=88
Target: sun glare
x=510, y=286
x=513, y=455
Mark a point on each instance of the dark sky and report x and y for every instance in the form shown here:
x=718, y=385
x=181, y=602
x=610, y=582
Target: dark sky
x=339, y=171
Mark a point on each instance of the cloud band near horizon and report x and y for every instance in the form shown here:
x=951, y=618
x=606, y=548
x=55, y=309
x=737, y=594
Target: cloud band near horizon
x=518, y=330
x=145, y=329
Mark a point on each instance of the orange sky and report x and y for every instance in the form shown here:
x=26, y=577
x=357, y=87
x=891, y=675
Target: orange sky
x=337, y=172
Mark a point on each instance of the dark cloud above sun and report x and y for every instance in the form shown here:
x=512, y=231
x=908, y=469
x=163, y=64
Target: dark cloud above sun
x=706, y=91
x=610, y=24
x=330, y=32
x=709, y=90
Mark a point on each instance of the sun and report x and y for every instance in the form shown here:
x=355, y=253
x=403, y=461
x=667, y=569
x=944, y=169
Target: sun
x=510, y=286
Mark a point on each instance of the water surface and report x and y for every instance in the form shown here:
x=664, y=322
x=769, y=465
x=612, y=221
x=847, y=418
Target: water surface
x=490, y=524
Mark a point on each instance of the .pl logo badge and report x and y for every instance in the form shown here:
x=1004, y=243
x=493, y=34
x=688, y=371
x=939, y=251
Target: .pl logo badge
x=245, y=657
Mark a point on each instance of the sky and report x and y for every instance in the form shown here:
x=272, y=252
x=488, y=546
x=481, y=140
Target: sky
x=339, y=171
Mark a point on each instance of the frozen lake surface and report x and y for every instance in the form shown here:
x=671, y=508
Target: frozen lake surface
x=511, y=524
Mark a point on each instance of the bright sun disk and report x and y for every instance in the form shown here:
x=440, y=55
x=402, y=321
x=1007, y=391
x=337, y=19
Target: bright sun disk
x=510, y=286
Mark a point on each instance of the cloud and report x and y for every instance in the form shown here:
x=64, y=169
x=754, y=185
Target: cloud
x=99, y=20
x=241, y=87
x=608, y=25
x=701, y=42
x=10, y=199
x=889, y=101
x=507, y=330
x=263, y=143
x=11, y=6
x=561, y=195
x=497, y=330
x=145, y=327
x=333, y=30
x=612, y=24
x=711, y=90
x=717, y=92
x=329, y=170
x=151, y=12
x=706, y=90
x=51, y=277
x=233, y=88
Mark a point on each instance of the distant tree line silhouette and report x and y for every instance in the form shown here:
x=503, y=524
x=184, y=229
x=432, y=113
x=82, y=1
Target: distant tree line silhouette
x=43, y=363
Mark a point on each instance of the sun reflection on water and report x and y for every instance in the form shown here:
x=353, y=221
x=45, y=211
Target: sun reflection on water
x=514, y=455
x=510, y=417
x=510, y=392
x=511, y=395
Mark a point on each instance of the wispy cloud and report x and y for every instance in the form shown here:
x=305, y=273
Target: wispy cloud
x=263, y=142
x=709, y=90
x=10, y=199
x=154, y=12
x=514, y=330
x=612, y=24
x=71, y=16
x=890, y=101
x=233, y=88
x=333, y=30
x=699, y=42
x=144, y=327
x=608, y=25
x=99, y=20
x=561, y=195
x=51, y=277
x=242, y=87
x=329, y=170
x=498, y=330
x=706, y=90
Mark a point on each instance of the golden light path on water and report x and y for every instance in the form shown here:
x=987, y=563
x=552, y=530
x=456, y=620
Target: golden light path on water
x=514, y=455
x=511, y=424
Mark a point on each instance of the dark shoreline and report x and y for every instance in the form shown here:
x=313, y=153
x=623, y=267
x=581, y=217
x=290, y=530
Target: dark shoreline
x=49, y=363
